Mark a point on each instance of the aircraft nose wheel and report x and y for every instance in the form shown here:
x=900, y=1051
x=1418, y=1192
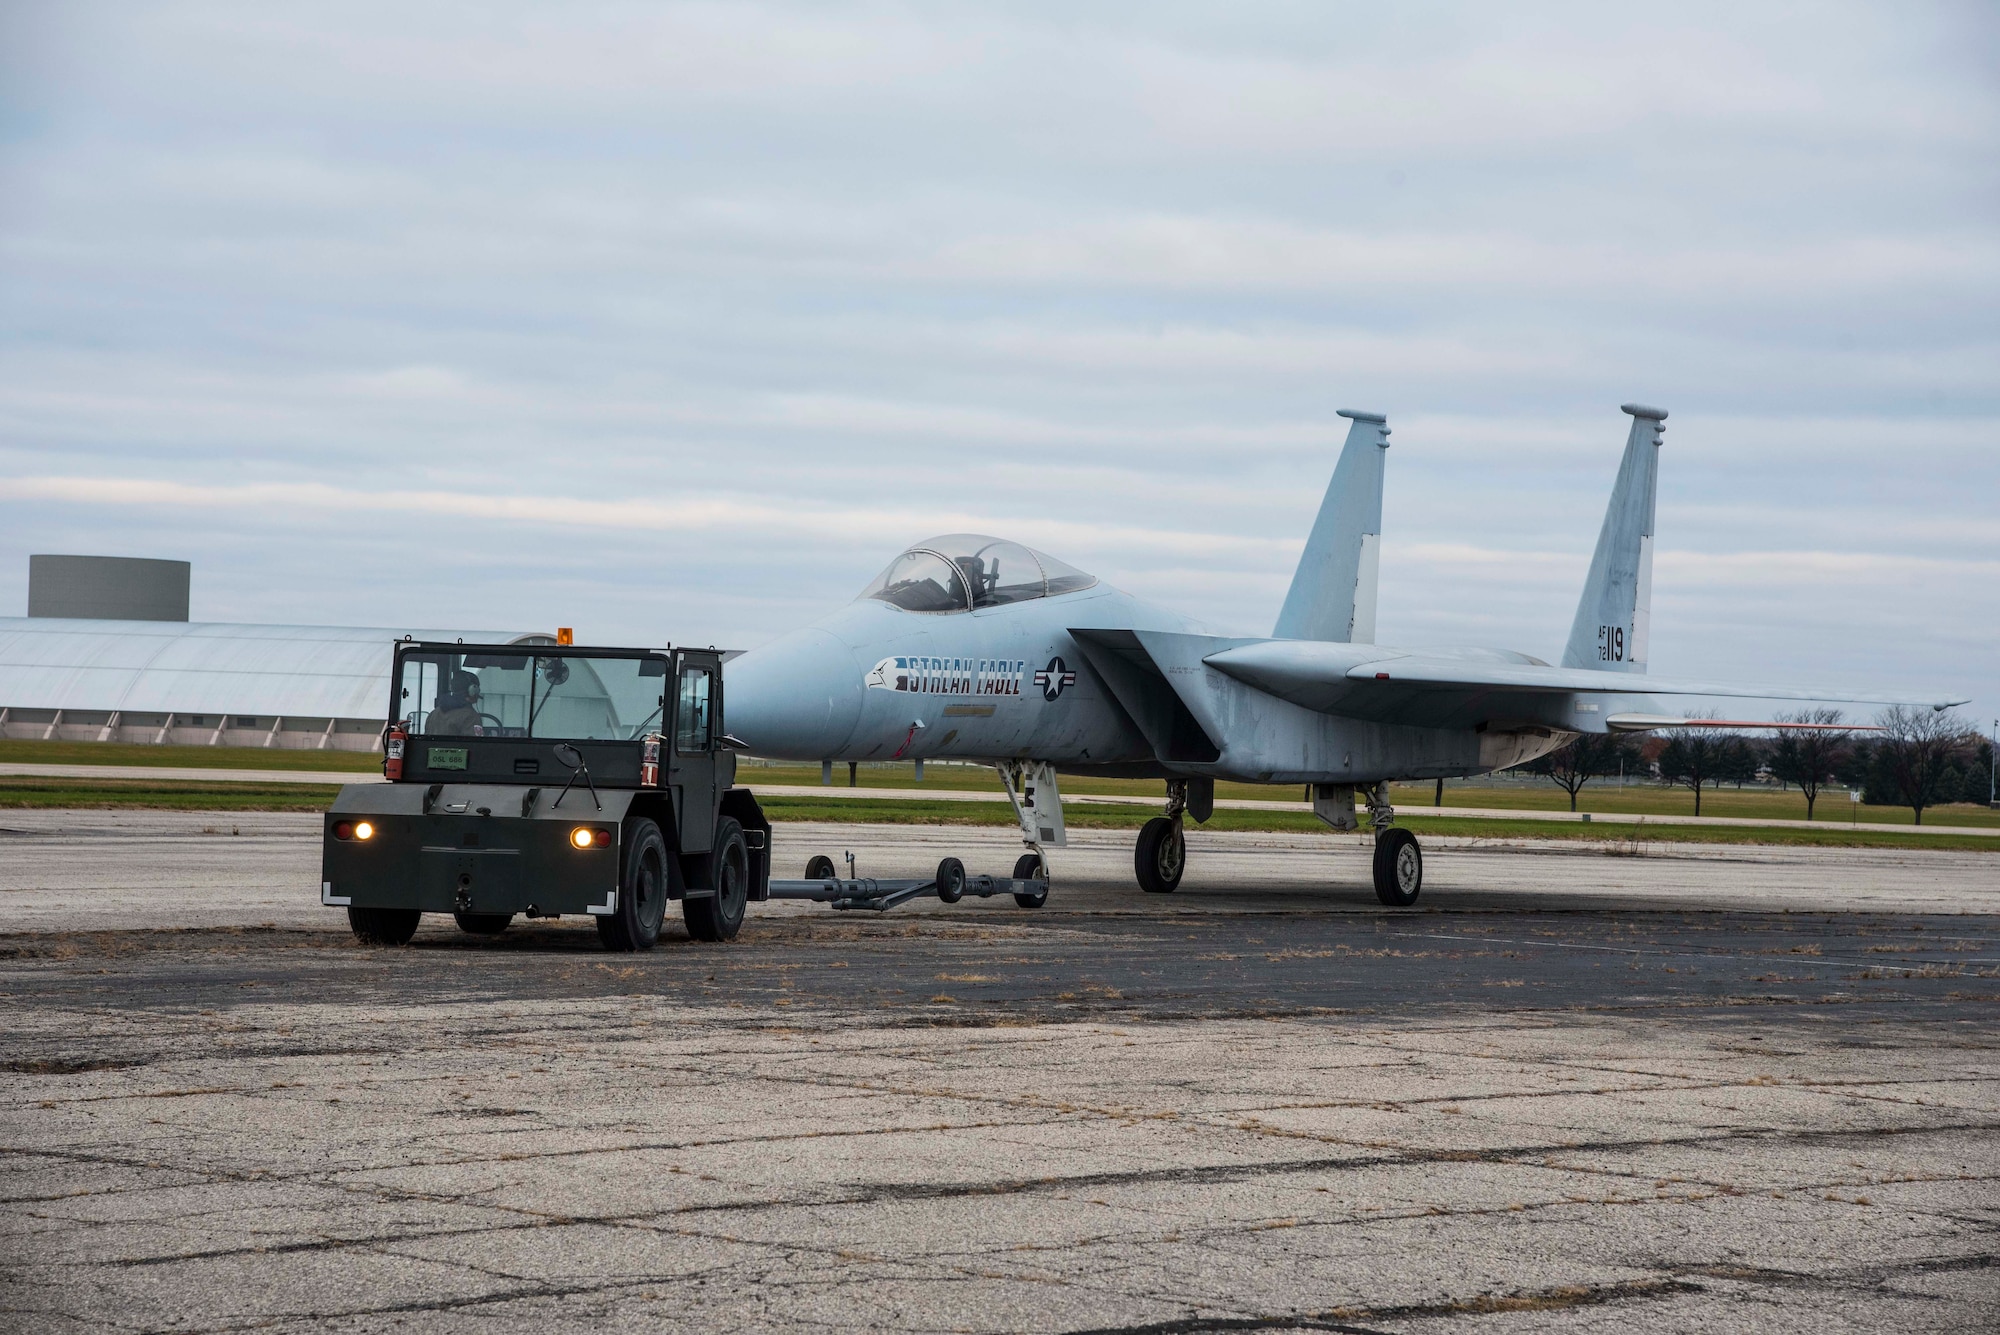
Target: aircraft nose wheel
x=1028, y=867
x=1161, y=856
x=1399, y=868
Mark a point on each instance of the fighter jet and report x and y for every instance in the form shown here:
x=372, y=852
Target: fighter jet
x=975, y=648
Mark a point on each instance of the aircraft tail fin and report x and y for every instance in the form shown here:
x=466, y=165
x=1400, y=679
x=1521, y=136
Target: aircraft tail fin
x=1333, y=591
x=1614, y=617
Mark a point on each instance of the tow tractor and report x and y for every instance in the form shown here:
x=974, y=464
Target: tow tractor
x=541, y=780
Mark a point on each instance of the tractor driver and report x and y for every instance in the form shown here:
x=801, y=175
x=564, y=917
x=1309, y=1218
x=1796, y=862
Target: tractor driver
x=457, y=713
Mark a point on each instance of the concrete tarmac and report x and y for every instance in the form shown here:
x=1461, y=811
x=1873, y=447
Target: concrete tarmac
x=1581, y=1086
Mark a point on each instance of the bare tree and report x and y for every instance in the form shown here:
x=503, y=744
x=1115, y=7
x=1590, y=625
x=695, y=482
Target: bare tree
x=1693, y=757
x=1810, y=757
x=1916, y=751
x=1586, y=756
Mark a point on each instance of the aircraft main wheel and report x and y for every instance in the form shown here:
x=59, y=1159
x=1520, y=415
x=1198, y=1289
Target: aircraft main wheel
x=642, y=891
x=717, y=917
x=819, y=868
x=483, y=924
x=384, y=927
x=1161, y=856
x=950, y=880
x=1028, y=867
x=1399, y=868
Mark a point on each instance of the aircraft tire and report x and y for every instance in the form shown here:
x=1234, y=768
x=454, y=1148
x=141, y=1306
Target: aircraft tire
x=1026, y=868
x=950, y=880
x=384, y=927
x=819, y=867
x=483, y=924
x=1161, y=856
x=717, y=917
x=642, y=891
x=1399, y=868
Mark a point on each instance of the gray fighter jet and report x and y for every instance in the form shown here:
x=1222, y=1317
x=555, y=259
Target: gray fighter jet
x=975, y=648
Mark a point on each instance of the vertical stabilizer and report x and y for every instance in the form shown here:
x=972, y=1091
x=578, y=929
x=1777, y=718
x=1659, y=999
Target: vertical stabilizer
x=1333, y=591
x=1614, y=615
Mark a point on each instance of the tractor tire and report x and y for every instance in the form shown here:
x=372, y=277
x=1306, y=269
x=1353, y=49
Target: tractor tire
x=483, y=924
x=717, y=917
x=384, y=927
x=642, y=891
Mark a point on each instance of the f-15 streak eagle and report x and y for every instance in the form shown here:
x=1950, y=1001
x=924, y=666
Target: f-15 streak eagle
x=975, y=648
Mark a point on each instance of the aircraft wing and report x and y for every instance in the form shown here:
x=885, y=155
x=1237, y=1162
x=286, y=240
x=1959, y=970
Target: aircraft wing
x=1367, y=681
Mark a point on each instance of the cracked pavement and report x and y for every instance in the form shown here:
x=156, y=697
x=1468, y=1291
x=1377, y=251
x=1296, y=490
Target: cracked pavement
x=1756, y=1090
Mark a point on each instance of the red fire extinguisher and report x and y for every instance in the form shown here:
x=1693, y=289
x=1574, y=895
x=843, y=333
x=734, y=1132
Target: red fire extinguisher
x=649, y=762
x=392, y=751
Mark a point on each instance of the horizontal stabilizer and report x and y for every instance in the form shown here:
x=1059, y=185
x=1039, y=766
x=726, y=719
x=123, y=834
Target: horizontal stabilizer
x=1339, y=678
x=1654, y=722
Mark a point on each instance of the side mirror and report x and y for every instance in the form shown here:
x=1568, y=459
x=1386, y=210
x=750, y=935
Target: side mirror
x=569, y=755
x=734, y=743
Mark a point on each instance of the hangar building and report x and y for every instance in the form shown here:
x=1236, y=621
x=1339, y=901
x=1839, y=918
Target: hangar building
x=107, y=653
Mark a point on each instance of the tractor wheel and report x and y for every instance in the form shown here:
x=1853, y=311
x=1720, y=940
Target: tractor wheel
x=642, y=891
x=717, y=917
x=483, y=924
x=384, y=927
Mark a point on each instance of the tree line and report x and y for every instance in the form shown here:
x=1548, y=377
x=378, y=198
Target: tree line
x=1920, y=758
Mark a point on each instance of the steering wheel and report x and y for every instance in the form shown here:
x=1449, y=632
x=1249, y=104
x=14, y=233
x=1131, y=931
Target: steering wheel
x=485, y=717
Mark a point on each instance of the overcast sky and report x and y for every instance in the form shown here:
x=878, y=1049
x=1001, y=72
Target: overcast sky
x=679, y=321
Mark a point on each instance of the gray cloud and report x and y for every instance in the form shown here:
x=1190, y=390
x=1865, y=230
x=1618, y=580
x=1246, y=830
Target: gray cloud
x=679, y=320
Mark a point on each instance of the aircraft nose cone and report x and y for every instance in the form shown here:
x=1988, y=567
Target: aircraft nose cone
x=796, y=698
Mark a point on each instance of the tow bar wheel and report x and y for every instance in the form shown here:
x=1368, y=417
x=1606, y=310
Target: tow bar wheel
x=951, y=880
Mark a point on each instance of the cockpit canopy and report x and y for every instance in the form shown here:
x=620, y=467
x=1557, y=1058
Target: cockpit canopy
x=960, y=571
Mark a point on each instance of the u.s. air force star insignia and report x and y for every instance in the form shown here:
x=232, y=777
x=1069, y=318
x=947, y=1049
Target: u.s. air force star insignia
x=1053, y=678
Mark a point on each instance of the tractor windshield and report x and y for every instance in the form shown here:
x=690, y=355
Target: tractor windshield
x=958, y=572
x=507, y=693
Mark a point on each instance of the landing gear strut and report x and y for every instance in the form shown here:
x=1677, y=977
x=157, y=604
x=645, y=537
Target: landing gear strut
x=1399, y=862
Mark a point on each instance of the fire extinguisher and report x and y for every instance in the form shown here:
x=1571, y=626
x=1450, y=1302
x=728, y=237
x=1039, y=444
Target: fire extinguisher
x=392, y=751
x=649, y=762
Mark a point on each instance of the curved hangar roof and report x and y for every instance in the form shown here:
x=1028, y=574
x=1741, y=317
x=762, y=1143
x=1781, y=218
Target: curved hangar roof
x=207, y=667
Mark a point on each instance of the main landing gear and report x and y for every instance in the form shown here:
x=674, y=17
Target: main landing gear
x=1399, y=862
x=1161, y=854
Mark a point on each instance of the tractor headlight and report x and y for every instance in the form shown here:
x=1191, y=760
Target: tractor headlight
x=363, y=830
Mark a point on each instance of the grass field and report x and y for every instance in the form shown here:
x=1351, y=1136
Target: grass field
x=894, y=812
x=186, y=757
x=1648, y=799
x=170, y=795
x=1413, y=800
x=180, y=795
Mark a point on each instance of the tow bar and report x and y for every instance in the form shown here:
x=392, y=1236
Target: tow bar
x=867, y=892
